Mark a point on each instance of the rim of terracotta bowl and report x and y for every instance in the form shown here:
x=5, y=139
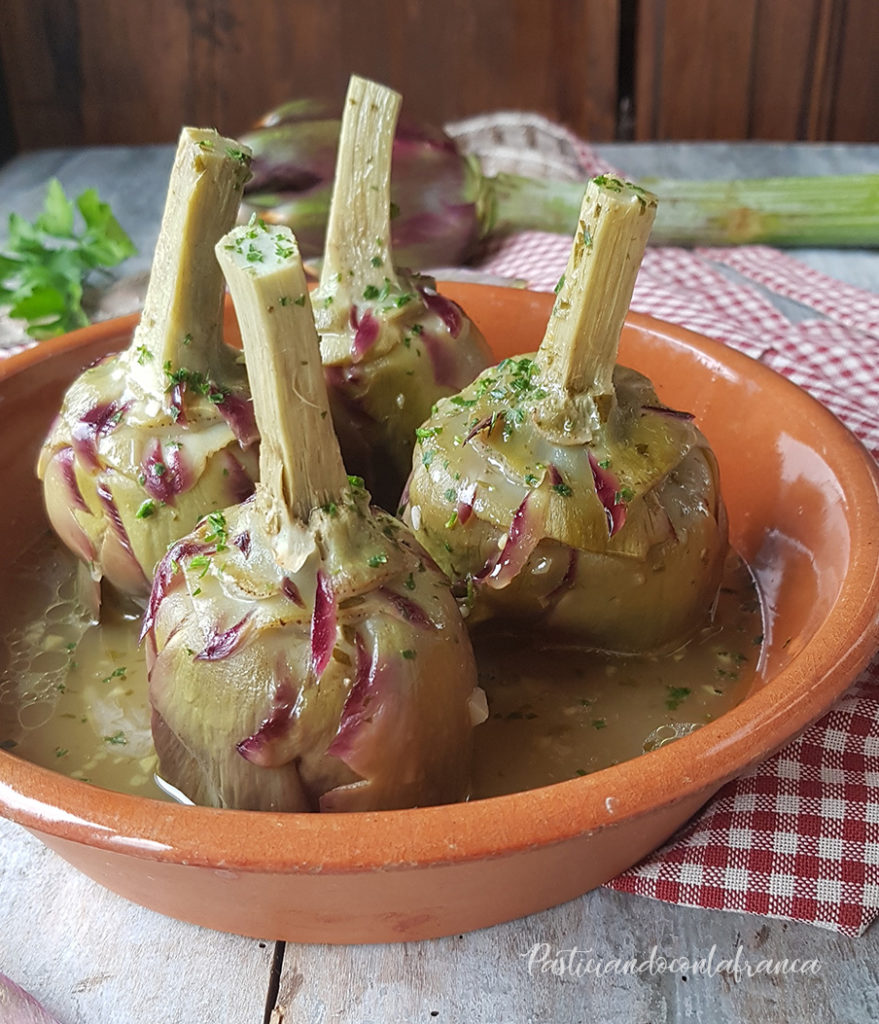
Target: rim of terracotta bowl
x=702, y=761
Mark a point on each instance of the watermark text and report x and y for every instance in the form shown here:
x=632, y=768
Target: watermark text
x=577, y=962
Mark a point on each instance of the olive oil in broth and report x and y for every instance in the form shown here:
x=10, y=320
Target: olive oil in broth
x=558, y=712
x=73, y=694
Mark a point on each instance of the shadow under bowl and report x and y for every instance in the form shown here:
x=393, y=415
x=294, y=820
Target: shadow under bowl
x=803, y=501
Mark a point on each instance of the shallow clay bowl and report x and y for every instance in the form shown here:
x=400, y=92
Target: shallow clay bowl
x=803, y=498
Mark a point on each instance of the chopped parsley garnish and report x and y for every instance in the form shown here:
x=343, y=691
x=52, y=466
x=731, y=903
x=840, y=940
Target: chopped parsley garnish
x=423, y=433
x=147, y=508
x=194, y=381
x=374, y=561
x=117, y=673
x=409, y=654
x=202, y=562
x=117, y=739
x=676, y=696
x=283, y=249
x=216, y=523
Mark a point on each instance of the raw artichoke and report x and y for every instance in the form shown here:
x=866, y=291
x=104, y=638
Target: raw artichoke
x=294, y=157
x=557, y=488
x=448, y=206
x=391, y=345
x=150, y=439
x=304, y=652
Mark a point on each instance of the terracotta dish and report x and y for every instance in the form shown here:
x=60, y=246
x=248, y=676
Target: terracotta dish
x=803, y=499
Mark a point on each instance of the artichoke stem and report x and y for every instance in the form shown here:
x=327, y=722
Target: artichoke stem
x=579, y=349
x=300, y=464
x=182, y=320
x=358, y=241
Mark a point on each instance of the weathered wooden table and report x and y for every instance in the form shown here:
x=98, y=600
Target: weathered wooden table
x=93, y=958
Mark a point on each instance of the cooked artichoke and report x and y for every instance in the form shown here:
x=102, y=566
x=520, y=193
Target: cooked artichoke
x=304, y=652
x=391, y=345
x=557, y=488
x=150, y=439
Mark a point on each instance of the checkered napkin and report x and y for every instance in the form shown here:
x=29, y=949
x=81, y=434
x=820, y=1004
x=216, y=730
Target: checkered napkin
x=798, y=837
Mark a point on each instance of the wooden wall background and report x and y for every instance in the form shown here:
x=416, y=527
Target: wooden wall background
x=126, y=71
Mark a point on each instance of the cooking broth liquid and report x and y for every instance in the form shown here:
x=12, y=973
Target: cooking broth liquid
x=73, y=694
x=559, y=712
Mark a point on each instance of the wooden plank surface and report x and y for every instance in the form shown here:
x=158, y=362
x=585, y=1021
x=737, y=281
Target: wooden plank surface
x=561, y=966
x=856, y=73
x=92, y=957
x=692, y=69
x=99, y=71
x=785, y=69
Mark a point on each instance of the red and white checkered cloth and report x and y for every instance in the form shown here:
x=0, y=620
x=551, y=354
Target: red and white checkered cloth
x=797, y=837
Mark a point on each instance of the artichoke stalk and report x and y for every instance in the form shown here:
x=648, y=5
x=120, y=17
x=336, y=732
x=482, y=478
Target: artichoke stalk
x=446, y=205
x=391, y=345
x=557, y=489
x=304, y=652
x=149, y=439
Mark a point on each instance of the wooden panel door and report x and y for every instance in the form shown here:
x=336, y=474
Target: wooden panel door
x=760, y=69
x=107, y=71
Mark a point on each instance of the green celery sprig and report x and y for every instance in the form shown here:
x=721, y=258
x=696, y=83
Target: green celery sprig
x=44, y=263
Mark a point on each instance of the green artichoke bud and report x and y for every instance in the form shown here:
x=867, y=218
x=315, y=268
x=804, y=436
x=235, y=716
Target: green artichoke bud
x=149, y=439
x=557, y=488
x=391, y=345
x=304, y=652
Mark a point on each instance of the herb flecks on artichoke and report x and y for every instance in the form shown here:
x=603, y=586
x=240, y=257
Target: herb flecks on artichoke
x=305, y=653
x=148, y=440
x=391, y=344
x=557, y=488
